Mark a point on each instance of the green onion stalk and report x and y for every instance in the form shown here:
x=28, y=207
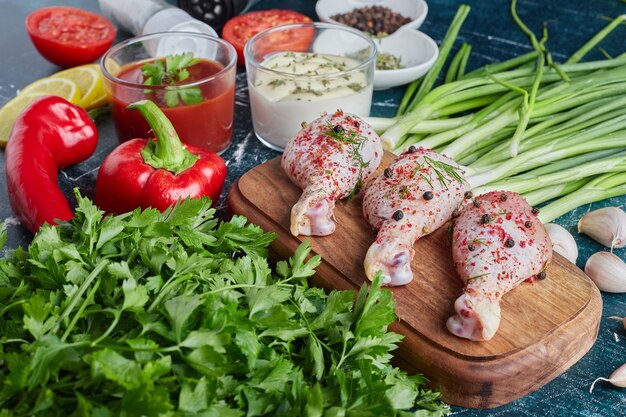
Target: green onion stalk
x=528, y=124
x=541, y=195
x=600, y=188
x=562, y=173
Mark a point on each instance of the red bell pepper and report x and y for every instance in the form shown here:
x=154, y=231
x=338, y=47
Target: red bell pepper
x=158, y=172
x=51, y=133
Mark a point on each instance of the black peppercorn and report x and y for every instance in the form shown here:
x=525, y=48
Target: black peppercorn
x=485, y=218
x=455, y=213
x=428, y=195
x=412, y=149
x=509, y=243
x=535, y=210
x=471, y=246
x=468, y=195
x=542, y=275
x=503, y=197
x=528, y=224
x=338, y=129
x=376, y=20
x=397, y=215
x=476, y=203
x=387, y=172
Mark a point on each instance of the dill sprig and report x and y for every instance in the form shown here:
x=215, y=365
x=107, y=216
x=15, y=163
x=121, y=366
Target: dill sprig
x=356, y=141
x=449, y=170
x=476, y=277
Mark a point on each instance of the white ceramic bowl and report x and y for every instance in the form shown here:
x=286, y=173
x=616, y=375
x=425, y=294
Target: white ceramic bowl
x=416, y=10
x=417, y=51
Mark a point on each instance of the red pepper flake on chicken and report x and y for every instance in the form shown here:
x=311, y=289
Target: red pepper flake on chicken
x=329, y=159
x=497, y=243
x=417, y=194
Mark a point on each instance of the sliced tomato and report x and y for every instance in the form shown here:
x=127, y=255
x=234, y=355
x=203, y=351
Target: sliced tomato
x=238, y=30
x=67, y=36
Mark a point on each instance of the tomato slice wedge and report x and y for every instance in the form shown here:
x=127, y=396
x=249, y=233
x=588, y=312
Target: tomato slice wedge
x=67, y=36
x=238, y=30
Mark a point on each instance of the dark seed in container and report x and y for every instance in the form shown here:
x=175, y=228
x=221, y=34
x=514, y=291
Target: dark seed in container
x=455, y=213
x=468, y=195
x=387, y=172
x=412, y=149
x=535, y=210
x=528, y=224
x=376, y=20
x=509, y=243
x=428, y=195
x=471, y=247
x=397, y=215
x=485, y=218
x=542, y=275
x=476, y=203
x=503, y=197
x=338, y=129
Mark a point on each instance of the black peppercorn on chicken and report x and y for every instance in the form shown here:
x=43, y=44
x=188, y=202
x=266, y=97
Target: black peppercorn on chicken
x=415, y=195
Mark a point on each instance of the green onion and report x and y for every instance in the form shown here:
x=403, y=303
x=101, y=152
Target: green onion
x=455, y=64
x=444, y=51
x=528, y=124
x=600, y=188
x=544, y=194
x=580, y=54
x=563, y=171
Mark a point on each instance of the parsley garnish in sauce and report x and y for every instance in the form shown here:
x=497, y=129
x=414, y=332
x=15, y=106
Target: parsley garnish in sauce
x=169, y=72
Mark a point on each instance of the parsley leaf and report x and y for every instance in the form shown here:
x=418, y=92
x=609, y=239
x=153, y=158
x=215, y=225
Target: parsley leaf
x=178, y=313
x=170, y=73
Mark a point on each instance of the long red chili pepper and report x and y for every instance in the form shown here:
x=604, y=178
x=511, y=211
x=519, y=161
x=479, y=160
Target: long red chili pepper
x=158, y=172
x=51, y=133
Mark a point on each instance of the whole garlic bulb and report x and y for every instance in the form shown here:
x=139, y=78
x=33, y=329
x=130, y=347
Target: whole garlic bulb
x=608, y=272
x=563, y=242
x=606, y=226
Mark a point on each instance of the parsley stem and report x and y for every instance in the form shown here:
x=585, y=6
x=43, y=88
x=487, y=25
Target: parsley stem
x=10, y=306
x=78, y=295
x=116, y=319
x=88, y=300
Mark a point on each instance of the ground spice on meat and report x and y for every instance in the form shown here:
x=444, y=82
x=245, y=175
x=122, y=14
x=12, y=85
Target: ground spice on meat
x=376, y=20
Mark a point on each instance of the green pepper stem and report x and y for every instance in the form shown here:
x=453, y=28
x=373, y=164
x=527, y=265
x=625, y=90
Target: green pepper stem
x=167, y=151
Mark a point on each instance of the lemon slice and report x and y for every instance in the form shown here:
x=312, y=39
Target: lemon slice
x=88, y=78
x=98, y=101
x=10, y=111
x=56, y=87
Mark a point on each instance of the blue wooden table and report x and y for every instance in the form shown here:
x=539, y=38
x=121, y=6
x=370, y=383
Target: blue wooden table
x=494, y=37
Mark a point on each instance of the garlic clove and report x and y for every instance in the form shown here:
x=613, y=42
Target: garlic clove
x=608, y=272
x=622, y=319
x=617, y=378
x=563, y=242
x=606, y=226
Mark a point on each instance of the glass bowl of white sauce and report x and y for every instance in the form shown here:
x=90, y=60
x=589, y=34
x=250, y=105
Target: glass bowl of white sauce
x=297, y=72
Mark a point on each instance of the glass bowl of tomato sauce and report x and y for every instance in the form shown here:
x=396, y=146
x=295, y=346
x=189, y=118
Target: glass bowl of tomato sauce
x=190, y=76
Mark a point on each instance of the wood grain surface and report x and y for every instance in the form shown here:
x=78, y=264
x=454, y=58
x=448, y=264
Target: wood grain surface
x=546, y=326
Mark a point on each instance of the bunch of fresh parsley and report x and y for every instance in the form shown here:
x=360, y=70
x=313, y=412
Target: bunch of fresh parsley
x=170, y=72
x=179, y=314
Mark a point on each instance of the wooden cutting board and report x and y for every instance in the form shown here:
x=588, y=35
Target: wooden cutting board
x=546, y=327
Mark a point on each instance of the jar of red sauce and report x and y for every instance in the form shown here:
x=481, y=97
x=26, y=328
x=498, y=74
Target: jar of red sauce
x=200, y=106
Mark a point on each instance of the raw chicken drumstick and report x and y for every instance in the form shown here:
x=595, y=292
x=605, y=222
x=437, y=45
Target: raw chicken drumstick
x=329, y=159
x=498, y=242
x=416, y=195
